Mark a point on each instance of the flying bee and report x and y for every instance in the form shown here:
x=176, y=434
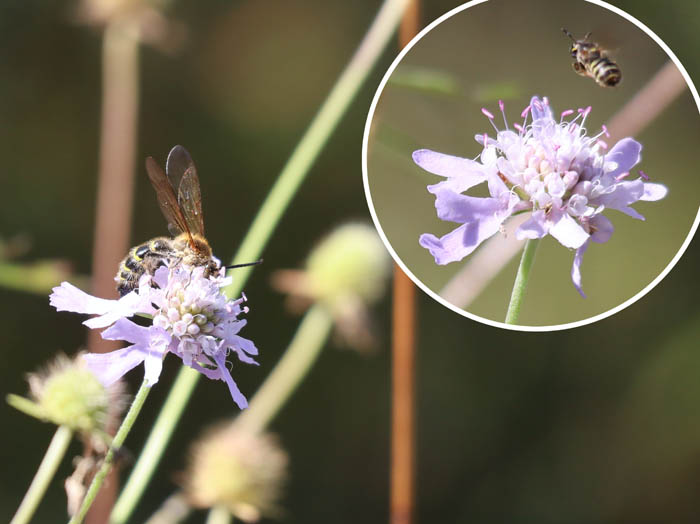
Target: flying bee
x=592, y=61
x=185, y=223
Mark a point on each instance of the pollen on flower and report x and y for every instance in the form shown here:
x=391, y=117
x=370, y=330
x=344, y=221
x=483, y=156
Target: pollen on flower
x=554, y=170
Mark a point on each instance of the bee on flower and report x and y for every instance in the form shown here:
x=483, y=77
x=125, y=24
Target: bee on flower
x=192, y=319
x=564, y=179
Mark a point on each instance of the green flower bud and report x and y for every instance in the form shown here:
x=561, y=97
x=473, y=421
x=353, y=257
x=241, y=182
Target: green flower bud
x=68, y=394
x=350, y=262
x=241, y=471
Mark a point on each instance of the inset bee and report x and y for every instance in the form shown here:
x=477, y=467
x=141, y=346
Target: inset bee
x=185, y=223
x=592, y=61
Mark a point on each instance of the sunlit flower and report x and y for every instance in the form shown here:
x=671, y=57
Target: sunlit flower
x=241, y=471
x=552, y=170
x=191, y=318
x=67, y=393
x=345, y=272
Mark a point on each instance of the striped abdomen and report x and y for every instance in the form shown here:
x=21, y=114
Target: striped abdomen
x=604, y=71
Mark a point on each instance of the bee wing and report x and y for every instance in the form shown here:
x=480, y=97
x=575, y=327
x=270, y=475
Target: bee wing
x=183, y=175
x=166, y=198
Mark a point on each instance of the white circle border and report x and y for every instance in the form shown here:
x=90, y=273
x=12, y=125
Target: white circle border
x=430, y=292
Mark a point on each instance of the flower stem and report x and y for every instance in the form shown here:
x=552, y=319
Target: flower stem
x=269, y=215
x=300, y=355
x=219, y=515
x=47, y=469
x=518, y=294
x=117, y=442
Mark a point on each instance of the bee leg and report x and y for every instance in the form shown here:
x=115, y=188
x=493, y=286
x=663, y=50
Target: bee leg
x=579, y=68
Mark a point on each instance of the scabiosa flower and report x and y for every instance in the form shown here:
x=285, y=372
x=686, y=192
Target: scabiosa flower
x=242, y=471
x=191, y=318
x=563, y=178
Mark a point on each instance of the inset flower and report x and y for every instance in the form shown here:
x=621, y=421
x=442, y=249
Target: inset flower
x=563, y=178
x=244, y=472
x=192, y=318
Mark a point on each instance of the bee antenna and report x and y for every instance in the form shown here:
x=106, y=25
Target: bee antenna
x=233, y=266
x=587, y=35
x=568, y=34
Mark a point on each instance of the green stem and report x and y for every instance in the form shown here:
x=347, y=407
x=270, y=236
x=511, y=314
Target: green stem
x=47, y=469
x=219, y=515
x=518, y=294
x=117, y=442
x=277, y=201
x=300, y=355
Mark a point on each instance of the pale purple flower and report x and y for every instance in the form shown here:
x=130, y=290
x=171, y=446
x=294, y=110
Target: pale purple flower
x=192, y=318
x=564, y=179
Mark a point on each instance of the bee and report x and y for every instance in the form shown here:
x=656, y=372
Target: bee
x=185, y=222
x=592, y=61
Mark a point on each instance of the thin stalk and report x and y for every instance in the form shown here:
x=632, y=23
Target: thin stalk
x=219, y=515
x=279, y=385
x=119, y=439
x=174, y=509
x=520, y=286
x=115, y=182
x=42, y=478
x=280, y=196
x=403, y=348
x=403, y=399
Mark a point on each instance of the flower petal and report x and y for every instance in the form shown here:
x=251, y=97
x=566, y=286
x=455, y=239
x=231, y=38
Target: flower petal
x=110, y=367
x=602, y=229
x=462, y=241
x=67, y=297
x=653, y=192
x=238, y=397
x=568, y=231
x=464, y=209
x=576, y=268
x=469, y=172
x=533, y=227
x=620, y=195
x=625, y=155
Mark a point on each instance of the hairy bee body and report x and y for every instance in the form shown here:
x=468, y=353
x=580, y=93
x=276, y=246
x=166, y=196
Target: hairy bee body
x=592, y=61
x=148, y=257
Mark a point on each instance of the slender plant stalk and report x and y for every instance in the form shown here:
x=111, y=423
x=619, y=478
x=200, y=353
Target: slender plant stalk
x=42, y=478
x=120, y=101
x=280, y=196
x=521, y=278
x=219, y=515
x=174, y=509
x=403, y=361
x=403, y=399
x=300, y=355
x=117, y=442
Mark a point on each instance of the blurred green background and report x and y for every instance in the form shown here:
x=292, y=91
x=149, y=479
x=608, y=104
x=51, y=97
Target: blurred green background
x=433, y=101
x=593, y=425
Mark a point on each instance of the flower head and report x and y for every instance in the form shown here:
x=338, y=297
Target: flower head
x=345, y=272
x=551, y=169
x=244, y=472
x=68, y=394
x=191, y=318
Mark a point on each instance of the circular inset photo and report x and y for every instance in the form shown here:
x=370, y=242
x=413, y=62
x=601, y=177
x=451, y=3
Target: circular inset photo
x=532, y=165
